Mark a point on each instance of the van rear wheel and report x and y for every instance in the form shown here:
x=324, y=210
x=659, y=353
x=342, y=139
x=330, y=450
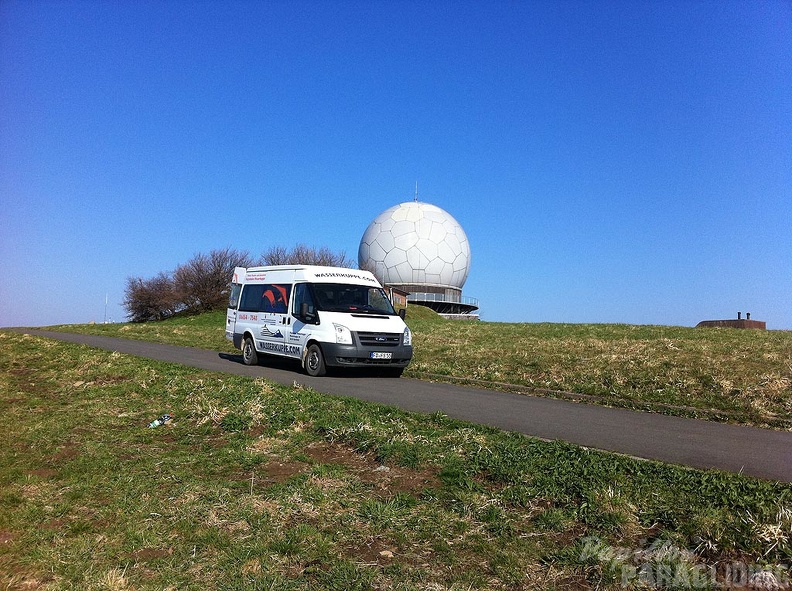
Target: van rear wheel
x=249, y=354
x=314, y=361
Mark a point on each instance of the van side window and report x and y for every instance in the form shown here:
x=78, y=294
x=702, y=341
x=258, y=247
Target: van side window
x=251, y=298
x=302, y=293
x=233, y=297
x=275, y=298
x=265, y=298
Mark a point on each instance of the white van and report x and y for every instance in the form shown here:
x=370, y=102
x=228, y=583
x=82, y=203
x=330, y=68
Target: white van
x=323, y=316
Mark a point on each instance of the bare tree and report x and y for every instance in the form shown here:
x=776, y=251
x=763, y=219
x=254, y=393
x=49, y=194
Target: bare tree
x=277, y=255
x=305, y=255
x=151, y=299
x=199, y=285
x=203, y=282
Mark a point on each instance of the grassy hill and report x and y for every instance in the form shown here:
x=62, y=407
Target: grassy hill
x=260, y=486
x=740, y=376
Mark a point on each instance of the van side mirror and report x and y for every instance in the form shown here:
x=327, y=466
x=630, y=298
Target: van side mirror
x=403, y=313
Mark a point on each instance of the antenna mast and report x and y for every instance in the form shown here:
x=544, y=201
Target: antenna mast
x=416, y=192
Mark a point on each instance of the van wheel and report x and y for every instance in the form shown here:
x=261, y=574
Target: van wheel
x=314, y=361
x=249, y=354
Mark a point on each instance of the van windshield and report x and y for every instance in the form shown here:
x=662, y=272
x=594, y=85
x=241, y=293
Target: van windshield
x=342, y=297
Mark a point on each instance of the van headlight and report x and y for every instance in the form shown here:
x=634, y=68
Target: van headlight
x=407, y=338
x=343, y=334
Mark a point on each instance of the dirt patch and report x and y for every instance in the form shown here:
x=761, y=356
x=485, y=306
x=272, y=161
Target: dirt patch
x=333, y=453
x=12, y=576
x=43, y=472
x=17, y=580
x=401, y=480
x=302, y=569
x=216, y=441
x=387, y=480
x=109, y=380
x=54, y=524
x=277, y=472
x=10, y=401
x=69, y=452
x=256, y=431
x=273, y=473
x=567, y=582
x=146, y=554
x=22, y=387
x=373, y=552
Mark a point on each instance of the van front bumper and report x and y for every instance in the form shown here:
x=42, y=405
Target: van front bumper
x=360, y=356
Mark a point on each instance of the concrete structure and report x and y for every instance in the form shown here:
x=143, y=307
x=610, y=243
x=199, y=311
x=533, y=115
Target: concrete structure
x=421, y=249
x=738, y=323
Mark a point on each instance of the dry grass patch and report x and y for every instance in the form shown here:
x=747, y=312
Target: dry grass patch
x=730, y=374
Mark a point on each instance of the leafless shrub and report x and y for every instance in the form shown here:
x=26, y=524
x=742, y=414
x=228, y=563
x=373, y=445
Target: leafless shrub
x=151, y=299
x=202, y=283
x=305, y=255
x=199, y=285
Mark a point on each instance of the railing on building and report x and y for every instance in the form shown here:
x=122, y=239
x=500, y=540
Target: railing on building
x=441, y=297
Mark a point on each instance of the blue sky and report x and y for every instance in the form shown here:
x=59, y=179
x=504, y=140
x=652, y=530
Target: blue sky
x=610, y=161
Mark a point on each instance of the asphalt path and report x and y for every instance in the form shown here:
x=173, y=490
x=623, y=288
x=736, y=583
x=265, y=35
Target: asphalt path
x=761, y=453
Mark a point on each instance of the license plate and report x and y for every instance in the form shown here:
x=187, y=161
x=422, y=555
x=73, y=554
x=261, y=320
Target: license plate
x=380, y=355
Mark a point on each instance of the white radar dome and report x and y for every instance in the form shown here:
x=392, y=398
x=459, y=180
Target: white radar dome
x=416, y=243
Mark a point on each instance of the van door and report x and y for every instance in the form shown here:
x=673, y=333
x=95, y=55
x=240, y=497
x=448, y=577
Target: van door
x=299, y=329
x=231, y=312
x=275, y=320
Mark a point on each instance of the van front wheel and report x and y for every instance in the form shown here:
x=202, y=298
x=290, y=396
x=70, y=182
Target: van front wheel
x=314, y=361
x=249, y=354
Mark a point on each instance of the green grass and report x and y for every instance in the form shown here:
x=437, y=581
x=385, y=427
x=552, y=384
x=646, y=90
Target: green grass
x=260, y=486
x=204, y=331
x=741, y=376
x=727, y=374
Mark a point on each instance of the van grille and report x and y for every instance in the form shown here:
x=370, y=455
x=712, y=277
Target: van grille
x=379, y=339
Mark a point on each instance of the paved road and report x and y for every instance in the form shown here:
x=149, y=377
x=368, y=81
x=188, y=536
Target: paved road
x=757, y=452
